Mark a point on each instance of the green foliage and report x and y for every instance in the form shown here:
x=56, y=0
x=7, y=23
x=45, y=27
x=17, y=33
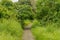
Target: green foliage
x=48, y=10
x=25, y=12
x=21, y=2
x=46, y=20
x=7, y=10
x=47, y=27
x=48, y=32
x=42, y=34
x=11, y=28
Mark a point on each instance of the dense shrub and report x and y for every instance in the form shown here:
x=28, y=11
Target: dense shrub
x=11, y=28
x=48, y=10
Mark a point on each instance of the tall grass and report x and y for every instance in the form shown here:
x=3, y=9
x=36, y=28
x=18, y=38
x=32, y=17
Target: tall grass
x=51, y=31
x=10, y=30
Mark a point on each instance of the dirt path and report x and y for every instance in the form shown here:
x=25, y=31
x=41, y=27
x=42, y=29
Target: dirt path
x=27, y=35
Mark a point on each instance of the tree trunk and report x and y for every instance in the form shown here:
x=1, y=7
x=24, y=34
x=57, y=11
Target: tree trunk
x=33, y=4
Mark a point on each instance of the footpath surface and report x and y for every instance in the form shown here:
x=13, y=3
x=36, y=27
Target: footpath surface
x=27, y=35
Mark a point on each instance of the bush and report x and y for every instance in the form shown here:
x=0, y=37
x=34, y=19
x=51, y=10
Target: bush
x=48, y=32
x=10, y=28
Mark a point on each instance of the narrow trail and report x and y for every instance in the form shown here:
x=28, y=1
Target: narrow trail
x=27, y=35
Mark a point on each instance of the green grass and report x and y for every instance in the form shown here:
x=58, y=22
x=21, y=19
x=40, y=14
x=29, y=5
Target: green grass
x=51, y=31
x=10, y=30
x=42, y=33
